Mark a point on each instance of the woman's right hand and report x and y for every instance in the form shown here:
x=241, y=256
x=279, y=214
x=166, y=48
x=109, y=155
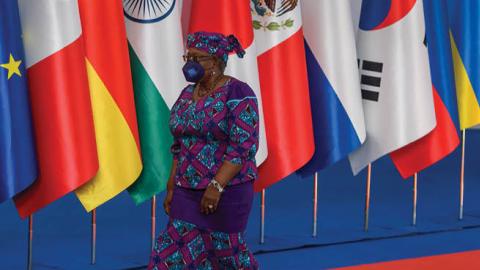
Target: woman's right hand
x=167, y=201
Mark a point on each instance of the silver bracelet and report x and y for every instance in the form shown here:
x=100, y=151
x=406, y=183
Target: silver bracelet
x=216, y=185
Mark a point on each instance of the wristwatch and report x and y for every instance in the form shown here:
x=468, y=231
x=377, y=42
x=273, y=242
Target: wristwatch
x=216, y=185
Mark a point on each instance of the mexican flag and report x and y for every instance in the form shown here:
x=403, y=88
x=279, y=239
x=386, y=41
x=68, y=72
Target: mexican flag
x=156, y=49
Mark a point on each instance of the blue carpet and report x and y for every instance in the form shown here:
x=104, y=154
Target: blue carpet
x=340, y=255
x=62, y=230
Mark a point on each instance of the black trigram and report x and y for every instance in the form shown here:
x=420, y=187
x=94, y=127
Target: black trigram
x=370, y=80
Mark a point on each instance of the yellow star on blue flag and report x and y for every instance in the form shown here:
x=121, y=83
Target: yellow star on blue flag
x=12, y=66
x=18, y=160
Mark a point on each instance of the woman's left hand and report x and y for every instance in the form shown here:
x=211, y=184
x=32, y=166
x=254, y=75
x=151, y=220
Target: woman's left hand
x=210, y=200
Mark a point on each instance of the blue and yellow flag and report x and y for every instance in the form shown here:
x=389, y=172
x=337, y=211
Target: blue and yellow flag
x=464, y=16
x=18, y=164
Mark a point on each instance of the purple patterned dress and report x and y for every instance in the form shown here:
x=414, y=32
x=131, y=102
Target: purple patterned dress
x=221, y=126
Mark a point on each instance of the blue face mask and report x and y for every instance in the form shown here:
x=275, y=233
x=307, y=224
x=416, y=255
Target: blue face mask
x=193, y=71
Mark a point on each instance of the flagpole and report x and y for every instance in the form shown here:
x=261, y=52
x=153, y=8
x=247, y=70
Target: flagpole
x=415, y=191
x=94, y=235
x=462, y=175
x=315, y=207
x=30, y=242
x=367, y=197
x=154, y=223
x=262, y=218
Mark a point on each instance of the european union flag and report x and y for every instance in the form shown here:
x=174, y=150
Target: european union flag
x=18, y=164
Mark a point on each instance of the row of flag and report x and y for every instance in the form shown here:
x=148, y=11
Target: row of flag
x=384, y=78
x=86, y=88
x=82, y=135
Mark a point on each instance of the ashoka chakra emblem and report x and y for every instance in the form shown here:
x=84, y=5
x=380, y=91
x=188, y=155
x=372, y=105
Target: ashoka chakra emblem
x=147, y=11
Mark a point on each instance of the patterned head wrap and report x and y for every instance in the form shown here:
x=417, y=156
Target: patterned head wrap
x=215, y=44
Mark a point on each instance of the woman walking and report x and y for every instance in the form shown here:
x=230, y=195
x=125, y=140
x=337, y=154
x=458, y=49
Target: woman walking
x=214, y=123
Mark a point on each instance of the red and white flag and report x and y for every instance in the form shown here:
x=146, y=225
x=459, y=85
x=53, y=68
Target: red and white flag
x=437, y=144
x=284, y=87
x=395, y=78
x=61, y=108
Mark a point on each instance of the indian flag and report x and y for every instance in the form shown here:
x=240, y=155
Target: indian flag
x=156, y=47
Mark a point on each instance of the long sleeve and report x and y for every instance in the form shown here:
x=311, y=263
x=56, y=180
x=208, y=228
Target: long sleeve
x=243, y=121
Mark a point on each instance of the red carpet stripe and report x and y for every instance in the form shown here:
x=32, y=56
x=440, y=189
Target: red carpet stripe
x=457, y=261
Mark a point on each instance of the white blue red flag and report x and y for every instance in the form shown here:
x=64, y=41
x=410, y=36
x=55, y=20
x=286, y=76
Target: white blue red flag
x=333, y=79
